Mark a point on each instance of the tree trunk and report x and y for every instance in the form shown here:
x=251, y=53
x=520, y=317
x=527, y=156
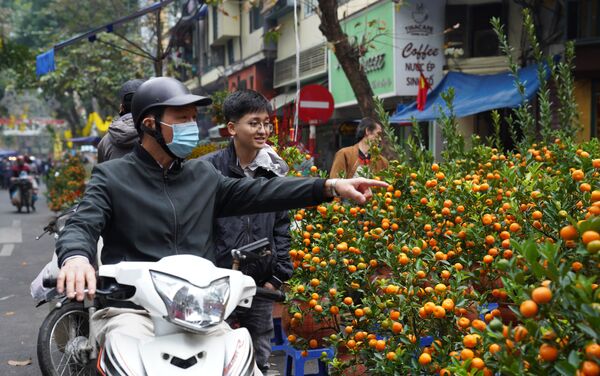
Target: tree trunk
x=158, y=63
x=348, y=57
x=69, y=112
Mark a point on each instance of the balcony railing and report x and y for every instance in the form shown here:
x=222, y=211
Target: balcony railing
x=273, y=9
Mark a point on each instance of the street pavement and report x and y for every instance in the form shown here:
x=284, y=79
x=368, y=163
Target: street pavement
x=21, y=259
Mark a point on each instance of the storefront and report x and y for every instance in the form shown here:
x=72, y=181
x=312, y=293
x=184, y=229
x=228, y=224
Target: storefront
x=255, y=77
x=399, y=42
x=587, y=88
x=596, y=108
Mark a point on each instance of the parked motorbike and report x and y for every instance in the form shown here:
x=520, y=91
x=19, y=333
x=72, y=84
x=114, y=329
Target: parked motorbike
x=188, y=299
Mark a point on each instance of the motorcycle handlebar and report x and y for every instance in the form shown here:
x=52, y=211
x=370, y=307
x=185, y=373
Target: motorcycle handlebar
x=106, y=287
x=277, y=296
x=49, y=283
x=261, y=292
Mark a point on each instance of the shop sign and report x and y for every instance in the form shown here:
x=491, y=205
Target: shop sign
x=420, y=40
x=375, y=25
x=402, y=41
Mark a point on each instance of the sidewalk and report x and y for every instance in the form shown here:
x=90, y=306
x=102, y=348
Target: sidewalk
x=277, y=361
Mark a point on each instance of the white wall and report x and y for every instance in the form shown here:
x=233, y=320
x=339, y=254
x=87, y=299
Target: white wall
x=252, y=43
x=308, y=28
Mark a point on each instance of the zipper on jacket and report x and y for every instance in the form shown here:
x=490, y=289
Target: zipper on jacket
x=165, y=180
x=249, y=232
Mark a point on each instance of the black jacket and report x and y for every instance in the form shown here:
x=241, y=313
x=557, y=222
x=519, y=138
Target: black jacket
x=234, y=232
x=144, y=213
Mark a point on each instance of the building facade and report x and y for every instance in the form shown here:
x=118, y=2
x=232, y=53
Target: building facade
x=253, y=45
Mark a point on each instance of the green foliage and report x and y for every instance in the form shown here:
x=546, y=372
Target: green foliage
x=390, y=136
x=272, y=36
x=543, y=67
x=524, y=117
x=563, y=77
x=496, y=140
x=419, y=154
x=453, y=141
x=216, y=109
x=65, y=183
x=13, y=55
x=92, y=71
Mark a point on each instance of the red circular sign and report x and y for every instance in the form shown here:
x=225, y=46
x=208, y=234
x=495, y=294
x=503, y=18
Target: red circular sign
x=316, y=104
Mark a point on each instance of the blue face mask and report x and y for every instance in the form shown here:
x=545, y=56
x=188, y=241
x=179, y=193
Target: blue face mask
x=185, y=138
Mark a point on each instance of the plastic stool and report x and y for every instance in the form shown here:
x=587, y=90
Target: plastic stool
x=488, y=307
x=295, y=359
x=279, y=341
x=425, y=341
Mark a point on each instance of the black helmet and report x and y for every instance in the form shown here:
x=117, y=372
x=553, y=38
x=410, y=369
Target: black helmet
x=126, y=94
x=128, y=89
x=162, y=92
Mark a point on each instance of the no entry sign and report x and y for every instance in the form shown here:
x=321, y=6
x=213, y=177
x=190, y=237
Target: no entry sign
x=316, y=104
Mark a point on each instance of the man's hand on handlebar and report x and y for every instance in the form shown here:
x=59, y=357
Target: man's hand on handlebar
x=75, y=275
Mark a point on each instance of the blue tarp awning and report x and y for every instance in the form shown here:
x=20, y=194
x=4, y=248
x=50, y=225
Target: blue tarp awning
x=8, y=153
x=472, y=94
x=85, y=140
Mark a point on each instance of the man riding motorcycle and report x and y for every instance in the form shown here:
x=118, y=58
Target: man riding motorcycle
x=151, y=203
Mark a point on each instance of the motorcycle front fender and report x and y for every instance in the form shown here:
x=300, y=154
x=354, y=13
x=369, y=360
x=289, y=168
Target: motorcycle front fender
x=222, y=353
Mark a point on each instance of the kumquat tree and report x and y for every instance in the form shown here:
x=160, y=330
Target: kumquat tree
x=485, y=263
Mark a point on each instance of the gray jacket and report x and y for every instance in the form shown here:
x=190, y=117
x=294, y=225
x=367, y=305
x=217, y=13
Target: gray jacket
x=235, y=232
x=144, y=213
x=119, y=140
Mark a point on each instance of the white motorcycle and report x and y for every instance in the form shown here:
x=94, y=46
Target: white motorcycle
x=188, y=299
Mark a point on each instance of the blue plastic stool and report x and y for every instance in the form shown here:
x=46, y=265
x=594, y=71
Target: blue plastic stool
x=295, y=359
x=279, y=341
x=487, y=307
x=425, y=341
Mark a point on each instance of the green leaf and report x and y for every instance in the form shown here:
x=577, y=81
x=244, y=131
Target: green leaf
x=574, y=359
x=589, y=331
x=565, y=369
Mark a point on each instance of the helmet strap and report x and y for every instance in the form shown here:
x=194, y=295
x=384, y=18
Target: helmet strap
x=156, y=133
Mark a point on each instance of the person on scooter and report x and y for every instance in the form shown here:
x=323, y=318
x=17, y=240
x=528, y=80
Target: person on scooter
x=16, y=170
x=152, y=203
x=122, y=135
x=248, y=116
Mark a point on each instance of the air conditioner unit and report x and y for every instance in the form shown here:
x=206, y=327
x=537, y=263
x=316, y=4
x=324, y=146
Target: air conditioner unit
x=485, y=43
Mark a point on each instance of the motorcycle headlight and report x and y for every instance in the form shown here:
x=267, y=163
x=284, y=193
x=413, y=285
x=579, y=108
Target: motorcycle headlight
x=192, y=307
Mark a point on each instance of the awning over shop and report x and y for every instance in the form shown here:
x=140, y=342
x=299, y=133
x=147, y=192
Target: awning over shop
x=8, y=153
x=473, y=94
x=281, y=100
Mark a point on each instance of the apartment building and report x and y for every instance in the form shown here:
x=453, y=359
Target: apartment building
x=246, y=45
x=583, y=26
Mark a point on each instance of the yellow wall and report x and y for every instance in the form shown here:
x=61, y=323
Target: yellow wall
x=583, y=97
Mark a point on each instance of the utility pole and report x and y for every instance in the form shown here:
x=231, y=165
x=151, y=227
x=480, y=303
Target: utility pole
x=158, y=63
